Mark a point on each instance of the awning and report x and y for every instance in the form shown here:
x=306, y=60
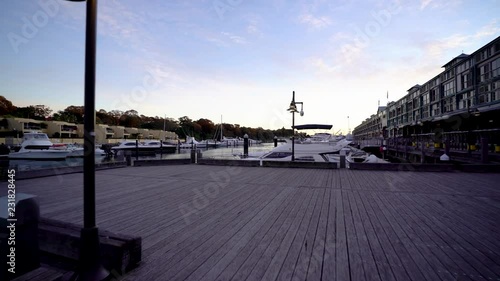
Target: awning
x=313, y=126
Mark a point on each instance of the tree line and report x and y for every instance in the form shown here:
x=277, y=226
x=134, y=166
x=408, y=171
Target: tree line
x=201, y=129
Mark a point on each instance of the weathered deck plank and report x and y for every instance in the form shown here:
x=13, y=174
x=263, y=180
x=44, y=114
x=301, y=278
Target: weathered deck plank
x=252, y=223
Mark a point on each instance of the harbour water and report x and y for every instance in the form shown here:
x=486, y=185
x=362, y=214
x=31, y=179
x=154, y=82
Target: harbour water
x=218, y=153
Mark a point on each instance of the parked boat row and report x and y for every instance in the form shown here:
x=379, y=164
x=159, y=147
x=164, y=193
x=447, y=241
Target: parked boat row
x=37, y=146
x=320, y=147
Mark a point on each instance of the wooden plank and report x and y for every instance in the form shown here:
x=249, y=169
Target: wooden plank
x=396, y=256
x=451, y=238
x=308, y=252
x=430, y=261
x=356, y=265
x=478, y=252
x=365, y=249
x=180, y=270
x=320, y=254
x=451, y=261
x=329, y=262
x=248, y=239
x=381, y=261
x=190, y=243
x=342, y=255
x=277, y=251
x=288, y=265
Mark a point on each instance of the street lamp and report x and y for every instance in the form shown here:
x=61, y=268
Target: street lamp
x=293, y=109
x=90, y=267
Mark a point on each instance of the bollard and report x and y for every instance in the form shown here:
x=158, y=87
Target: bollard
x=23, y=252
x=136, y=149
x=199, y=155
x=245, y=146
x=342, y=159
x=193, y=156
x=128, y=157
x=484, y=150
x=161, y=149
x=422, y=154
x=275, y=141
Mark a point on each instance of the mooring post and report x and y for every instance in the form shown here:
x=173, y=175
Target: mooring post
x=136, y=149
x=422, y=153
x=245, y=145
x=193, y=156
x=161, y=149
x=275, y=140
x=484, y=150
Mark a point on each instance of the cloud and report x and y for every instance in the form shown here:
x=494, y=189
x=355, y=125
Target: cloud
x=424, y=3
x=234, y=38
x=438, y=47
x=439, y=5
x=314, y=22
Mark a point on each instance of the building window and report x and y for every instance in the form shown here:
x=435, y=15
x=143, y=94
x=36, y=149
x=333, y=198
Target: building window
x=495, y=68
x=425, y=99
x=449, y=88
x=484, y=72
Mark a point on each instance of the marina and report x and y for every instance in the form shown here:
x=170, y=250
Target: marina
x=200, y=222
x=136, y=182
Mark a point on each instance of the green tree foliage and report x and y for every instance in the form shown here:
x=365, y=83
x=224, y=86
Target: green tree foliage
x=6, y=106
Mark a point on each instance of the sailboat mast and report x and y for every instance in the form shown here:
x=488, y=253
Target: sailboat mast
x=221, y=135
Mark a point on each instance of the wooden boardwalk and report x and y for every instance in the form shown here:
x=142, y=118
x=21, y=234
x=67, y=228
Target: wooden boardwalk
x=240, y=223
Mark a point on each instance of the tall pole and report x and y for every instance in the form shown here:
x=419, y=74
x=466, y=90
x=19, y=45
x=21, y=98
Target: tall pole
x=293, y=134
x=90, y=264
x=348, y=126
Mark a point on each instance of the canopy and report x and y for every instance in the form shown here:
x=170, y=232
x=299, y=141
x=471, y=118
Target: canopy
x=312, y=127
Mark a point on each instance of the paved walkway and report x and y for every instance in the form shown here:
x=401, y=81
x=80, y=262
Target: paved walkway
x=229, y=223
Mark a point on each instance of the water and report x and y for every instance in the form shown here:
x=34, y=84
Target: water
x=218, y=153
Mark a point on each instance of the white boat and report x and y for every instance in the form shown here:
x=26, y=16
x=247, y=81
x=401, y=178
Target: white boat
x=78, y=151
x=321, y=147
x=143, y=146
x=37, y=146
x=238, y=141
x=310, y=152
x=192, y=143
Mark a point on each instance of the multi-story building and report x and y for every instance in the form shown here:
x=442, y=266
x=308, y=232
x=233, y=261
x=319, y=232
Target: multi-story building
x=465, y=97
x=373, y=127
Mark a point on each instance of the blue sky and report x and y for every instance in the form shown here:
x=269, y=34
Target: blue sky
x=238, y=58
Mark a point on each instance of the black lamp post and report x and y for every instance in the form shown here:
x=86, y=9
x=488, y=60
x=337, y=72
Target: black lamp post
x=293, y=110
x=90, y=267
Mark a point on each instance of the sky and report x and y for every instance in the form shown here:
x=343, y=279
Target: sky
x=238, y=60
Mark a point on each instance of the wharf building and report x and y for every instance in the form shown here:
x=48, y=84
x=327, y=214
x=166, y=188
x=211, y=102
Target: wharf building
x=460, y=106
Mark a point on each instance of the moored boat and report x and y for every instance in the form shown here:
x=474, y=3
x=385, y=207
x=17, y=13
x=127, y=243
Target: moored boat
x=37, y=146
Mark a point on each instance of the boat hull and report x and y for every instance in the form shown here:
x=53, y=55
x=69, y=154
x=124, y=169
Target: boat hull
x=39, y=155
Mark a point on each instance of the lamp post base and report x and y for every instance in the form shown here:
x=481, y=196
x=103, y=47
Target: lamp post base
x=90, y=267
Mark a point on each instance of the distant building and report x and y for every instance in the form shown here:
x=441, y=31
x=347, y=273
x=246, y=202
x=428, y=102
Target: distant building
x=373, y=129
x=16, y=127
x=464, y=97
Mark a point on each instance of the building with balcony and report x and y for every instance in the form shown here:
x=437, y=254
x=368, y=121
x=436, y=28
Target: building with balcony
x=373, y=130
x=23, y=125
x=461, y=104
x=60, y=129
x=120, y=132
x=103, y=133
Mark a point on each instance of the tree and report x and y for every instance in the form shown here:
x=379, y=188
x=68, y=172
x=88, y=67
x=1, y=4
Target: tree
x=24, y=112
x=64, y=116
x=76, y=112
x=6, y=106
x=116, y=114
x=42, y=111
x=207, y=128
